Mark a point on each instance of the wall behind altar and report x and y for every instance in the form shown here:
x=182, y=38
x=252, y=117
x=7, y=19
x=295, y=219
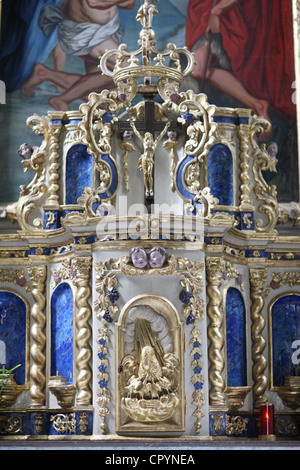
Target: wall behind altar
x=263, y=76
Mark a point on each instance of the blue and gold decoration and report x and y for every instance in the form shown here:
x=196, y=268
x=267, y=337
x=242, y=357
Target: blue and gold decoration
x=67, y=271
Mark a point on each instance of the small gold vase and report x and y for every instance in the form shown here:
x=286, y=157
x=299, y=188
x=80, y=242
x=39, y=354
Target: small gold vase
x=10, y=392
x=290, y=392
x=236, y=396
x=63, y=391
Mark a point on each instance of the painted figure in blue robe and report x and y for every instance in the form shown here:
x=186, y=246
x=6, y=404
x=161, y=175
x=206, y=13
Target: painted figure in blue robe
x=83, y=28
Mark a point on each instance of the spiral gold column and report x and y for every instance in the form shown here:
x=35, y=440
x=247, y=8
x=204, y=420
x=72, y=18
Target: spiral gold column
x=83, y=267
x=244, y=175
x=214, y=331
x=54, y=156
x=37, y=377
x=257, y=280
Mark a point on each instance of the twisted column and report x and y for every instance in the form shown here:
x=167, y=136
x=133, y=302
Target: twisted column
x=257, y=280
x=54, y=166
x=37, y=383
x=244, y=174
x=214, y=331
x=84, y=353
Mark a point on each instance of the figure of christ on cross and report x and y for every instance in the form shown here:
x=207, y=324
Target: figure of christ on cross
x=149, y=125
x=146, y=160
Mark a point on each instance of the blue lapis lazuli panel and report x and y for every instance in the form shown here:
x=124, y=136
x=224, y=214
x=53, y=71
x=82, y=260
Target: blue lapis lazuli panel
x=236, y=339
x=220, y=174
x=13, y=334
x=62, y=331
x=79, y=172
x=285, y=316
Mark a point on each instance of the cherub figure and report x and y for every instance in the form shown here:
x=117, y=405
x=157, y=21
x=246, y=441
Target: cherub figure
x=138, y=257
x=25, y=151
x=146, y=160
x=157, y=257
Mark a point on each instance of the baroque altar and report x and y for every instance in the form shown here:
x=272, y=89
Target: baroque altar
x=147, y=286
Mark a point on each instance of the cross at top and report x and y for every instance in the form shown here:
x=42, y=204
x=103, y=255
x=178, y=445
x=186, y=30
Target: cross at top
x=149, y=126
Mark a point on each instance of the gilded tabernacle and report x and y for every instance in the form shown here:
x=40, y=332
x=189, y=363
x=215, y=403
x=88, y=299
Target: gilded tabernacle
x=149, y=262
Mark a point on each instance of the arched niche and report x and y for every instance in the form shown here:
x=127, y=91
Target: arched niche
x=236, y=345
x=14, y=334
x=62, y=331
x=78, y=172
x=149, y=361
x=219, y=169
x=284, y=329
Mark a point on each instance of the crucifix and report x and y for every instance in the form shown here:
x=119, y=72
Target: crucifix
x=149, y=126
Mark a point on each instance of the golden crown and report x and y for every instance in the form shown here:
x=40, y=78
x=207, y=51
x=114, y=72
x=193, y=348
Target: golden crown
x=147, y=62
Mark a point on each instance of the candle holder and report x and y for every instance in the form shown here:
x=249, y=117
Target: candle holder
x=9, y=391
x=290, y=392
x=266, y=418
x=236, y=396
x=63, y=391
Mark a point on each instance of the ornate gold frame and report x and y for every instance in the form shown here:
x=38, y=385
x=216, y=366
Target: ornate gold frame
x=176, y=423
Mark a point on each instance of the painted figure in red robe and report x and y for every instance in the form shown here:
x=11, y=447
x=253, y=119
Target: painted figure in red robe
x=251, y=51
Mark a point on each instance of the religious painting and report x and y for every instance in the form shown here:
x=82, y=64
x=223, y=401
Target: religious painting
x=244, y=51
x=149, y=361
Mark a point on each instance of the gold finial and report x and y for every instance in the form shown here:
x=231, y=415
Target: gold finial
x=146, y=61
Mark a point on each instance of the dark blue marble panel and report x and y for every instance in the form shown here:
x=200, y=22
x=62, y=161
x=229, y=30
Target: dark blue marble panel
x=285, y=317
x=236, y=338
x=220, y=174
x=79, y=172
x=13, y=333
x=42, y=423
x=62, y=331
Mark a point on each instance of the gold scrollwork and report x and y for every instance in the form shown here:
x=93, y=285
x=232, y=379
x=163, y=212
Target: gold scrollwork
x=36, y=189
x=263, y=192
x=64, y=423
x=14, y=425
x=96, y=132
x=236, y=425
x=286, y=426
x=201, y=134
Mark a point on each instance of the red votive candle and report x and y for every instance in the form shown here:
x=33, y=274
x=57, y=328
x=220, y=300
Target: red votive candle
x=267, y=420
